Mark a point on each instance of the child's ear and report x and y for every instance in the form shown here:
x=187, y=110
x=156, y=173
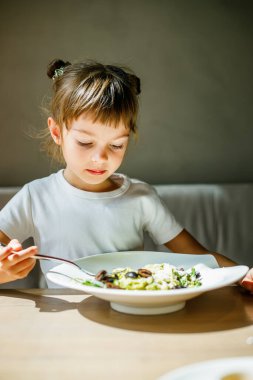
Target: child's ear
x=54, y=130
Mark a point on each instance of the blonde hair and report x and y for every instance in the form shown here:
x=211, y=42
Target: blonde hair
x=105, y=93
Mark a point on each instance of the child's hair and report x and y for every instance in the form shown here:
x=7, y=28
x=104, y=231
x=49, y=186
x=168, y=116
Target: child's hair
x=105, y=93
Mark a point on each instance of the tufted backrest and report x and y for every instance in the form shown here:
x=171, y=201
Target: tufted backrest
x=219, y=216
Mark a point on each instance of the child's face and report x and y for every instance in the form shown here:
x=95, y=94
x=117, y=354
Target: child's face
x=92, y=152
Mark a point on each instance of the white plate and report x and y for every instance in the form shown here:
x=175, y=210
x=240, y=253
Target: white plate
x=147, y=302
x=241, y=368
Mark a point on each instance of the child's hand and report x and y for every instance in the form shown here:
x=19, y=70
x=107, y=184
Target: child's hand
x=15, y=262
x=247, y=281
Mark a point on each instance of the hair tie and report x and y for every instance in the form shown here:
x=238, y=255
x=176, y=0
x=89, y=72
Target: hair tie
x=58, y=73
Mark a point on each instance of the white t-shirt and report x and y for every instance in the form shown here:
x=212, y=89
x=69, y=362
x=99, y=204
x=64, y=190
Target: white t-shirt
x=68, y=222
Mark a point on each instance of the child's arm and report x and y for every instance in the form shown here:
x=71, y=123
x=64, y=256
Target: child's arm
x=15, y=262
x=185, y=243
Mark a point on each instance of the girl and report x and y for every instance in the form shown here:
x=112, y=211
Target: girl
x=88, y=208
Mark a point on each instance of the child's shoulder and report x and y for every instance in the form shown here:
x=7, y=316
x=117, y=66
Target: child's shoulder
x=141, y=187
x=42, y=183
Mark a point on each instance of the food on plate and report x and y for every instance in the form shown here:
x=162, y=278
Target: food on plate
x=150, y=277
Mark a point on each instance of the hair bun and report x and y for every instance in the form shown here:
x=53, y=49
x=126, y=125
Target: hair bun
x=55, y=65
x=136, y=83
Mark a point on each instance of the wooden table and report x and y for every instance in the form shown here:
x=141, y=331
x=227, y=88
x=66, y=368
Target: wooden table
x=64, y=334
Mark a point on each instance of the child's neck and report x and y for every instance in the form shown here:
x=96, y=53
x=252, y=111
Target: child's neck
x=108, y=185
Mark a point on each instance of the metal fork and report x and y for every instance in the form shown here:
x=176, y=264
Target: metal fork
x=59, y=259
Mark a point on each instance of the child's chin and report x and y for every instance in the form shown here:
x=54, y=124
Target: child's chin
x=96, y=178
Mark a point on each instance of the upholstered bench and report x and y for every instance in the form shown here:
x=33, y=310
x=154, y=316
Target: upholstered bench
x=219, y=216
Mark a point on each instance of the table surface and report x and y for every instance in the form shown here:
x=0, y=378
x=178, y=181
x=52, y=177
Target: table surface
x=66, y=334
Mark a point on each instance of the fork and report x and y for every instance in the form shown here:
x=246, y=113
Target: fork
x=60, y=259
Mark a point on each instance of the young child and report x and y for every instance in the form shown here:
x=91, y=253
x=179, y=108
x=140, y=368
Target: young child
x=87, y=208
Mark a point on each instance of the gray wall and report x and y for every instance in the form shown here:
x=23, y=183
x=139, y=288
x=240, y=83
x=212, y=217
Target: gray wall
x=195, y=62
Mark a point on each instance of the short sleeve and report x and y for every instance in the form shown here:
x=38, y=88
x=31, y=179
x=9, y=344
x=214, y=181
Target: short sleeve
x=15, y=217
x=160, y=223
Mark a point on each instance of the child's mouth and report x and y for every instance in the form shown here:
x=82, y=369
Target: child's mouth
x=96, y=172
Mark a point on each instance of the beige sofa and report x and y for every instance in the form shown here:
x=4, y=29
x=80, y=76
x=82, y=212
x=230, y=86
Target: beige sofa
x=219, y=216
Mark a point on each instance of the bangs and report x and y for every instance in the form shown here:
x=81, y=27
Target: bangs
x=107, y=100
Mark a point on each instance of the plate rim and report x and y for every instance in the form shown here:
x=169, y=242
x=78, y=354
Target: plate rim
x=181, y=371
x=151, y=293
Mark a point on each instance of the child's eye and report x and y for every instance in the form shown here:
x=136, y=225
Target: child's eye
x=117, y=147
x=84, y=143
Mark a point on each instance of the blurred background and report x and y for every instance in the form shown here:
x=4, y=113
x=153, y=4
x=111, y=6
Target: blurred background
x=194, y=58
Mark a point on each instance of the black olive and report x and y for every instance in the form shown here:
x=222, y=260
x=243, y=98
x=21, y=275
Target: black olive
x=108, y=278
x=131, y=275
x=100, y=275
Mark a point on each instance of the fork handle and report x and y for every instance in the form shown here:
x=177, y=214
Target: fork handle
x=47, y=257
x=60, y=259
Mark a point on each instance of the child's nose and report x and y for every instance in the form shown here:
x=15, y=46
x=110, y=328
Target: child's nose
x=99, y=155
